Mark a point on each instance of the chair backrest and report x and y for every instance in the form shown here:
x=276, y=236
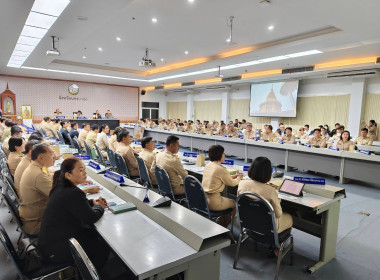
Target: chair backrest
x=257, y=216
x=77, y=145
x=99, y=154
x=195, y=195
x=5, y=185
x=60, y=138
x=42, y=131
x=121, y=165
x=143, y=171
x=86, y=269
x=111, y=157
x=163, y=181
x=7, y=174
x=11, y=251
x=88, y=149
x=12, y=208
x=54, y=134
x=71, y=142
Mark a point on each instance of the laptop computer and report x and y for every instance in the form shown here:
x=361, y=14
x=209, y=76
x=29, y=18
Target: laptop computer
x=291, y=187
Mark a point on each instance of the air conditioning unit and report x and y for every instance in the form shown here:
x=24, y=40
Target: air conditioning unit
x=217, y=87
x=366, y=73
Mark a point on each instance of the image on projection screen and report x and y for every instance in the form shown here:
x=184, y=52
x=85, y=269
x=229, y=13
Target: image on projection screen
x=277, y=99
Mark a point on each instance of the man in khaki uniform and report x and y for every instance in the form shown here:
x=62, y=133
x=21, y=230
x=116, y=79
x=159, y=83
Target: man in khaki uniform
x=208, y=130
x=363, y=139
x=222, y=130
x=83, y=134
x=268, y=134
x=249, y=133
x=7, y=130
x=372, y=129
x=317, y=139
x=148, y=156
x=123, y=148
x=46, y=126
x=243, y=124
x=189, y=127
x=24, y=163
x=35, y=186
x=288, y=138
x=56, y=126
x=339, y=132
x=232, y=131
x=92, y=136
x=171, y=125
x=163, y=125
x=172, y=164
x=301, y=134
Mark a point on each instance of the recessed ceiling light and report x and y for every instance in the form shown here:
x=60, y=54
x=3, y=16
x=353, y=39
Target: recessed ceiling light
x=118, y=39
x=154, y=20
x=191, y=1
x=186, y=52
x=100, y=49
x=162, y=59
x=228, y=40
x=84, y=57
x=270, y=27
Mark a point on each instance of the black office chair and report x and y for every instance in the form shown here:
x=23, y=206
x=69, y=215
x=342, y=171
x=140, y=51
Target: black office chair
x=197, y=201
x=42, y=273
x=111, y=158
x=144, y=174
x=258, y=219
x=6, y=186
x=54, y=134
x=77, y=145
x=121, y=165
x=43, y=132
x=100, y=157
x=5, y=172
x=60, y=138
x=165, y=187
x=71, y=142
x=86, y=269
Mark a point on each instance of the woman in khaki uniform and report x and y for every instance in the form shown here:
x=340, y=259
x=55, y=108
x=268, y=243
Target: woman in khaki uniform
x=16, y=148
x=113, y=139
x=260, y=173
x=215, y=178
x=345, y=143
x=372, y=129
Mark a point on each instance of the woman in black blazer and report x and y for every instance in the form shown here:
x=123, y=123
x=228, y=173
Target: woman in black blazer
x=69, y=214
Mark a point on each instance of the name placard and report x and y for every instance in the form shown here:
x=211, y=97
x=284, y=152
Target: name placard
x=94, y=165
x=333, y=149
x=83, y=157
x=365, y=152
x=246, y=167
x=188, y=154
x=81, y=118
x=280, y=142
x=60, y=117
x=228, y=162
x=138, y=143
x=307, y=145
x=114, y=176
x=314, y=181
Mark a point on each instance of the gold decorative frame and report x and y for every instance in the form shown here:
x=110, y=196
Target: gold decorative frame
x=26, y=112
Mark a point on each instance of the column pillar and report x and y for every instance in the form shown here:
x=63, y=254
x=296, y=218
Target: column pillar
x=225, y=106
x=355, y=113
x=190, y=106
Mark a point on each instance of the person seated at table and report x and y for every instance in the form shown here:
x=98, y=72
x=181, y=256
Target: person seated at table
x=24, y=163
x=36, y=136
x=123, y=148
x=189, y=127
x=68, y=214
x=112, y=144
x=163, y=125
x=171, y=125
x=16, y=148
x=15, y=131
x=74, y=130
x=215, y=178
x=317, y=139
x=307, y=129
x=108, y=115
x=232, y=131
x=65, y=133
x=92, y=136
x=345, y=143
x=301, y=134
x=268, y=134
x=281, y=130
x=83, y=134
x=372, y=129
x=324, y=133
x=339, y=131
x=260, y=173
x=97, y=115
x=7, y=130
x=102, y=140
x=208, y=129
x=249, y=133
x=152, y=124
x=169, y=160
x=57, y=113
x=288, y=137
x=199, y=128
x=215, y=126
x=47, y=126
x=243, y=124
x=56, y=125
x=181, y=127
x=222, y=130
x=363, y=139
x=79, y=113
x=148, y=156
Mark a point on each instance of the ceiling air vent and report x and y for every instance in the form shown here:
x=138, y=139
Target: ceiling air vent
x=229, y=79
x=297, y=70
x=366, y=73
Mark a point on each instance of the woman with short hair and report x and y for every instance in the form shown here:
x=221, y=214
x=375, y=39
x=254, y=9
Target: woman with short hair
x=16, y=148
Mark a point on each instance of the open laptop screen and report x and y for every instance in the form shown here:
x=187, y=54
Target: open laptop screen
x=291, y=187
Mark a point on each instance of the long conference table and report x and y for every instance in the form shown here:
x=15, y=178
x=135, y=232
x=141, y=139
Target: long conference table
x=112, y=123
x=156, y=243
x=344, y=164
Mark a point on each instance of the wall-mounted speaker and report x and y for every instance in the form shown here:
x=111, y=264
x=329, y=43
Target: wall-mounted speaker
x=143, y=92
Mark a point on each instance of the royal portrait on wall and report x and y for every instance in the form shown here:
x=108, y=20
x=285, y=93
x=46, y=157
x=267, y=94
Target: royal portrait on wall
x=26, y=112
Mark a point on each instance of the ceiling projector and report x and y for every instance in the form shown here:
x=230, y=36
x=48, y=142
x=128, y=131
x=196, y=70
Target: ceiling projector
x=54, y=51
x=146, y=62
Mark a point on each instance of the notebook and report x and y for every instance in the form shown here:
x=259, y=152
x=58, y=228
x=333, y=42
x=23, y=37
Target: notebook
x=121, y=208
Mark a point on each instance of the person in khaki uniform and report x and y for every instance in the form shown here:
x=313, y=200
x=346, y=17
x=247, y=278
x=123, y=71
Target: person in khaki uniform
x=324, y=134
x=92, y=136
x=113, y=140
x=249, y=133
x=16, y=148
x=153, y=124
x=288, y=138
x=189, y=127
x=336, y=137
x=208, y=130
x=123, y=148
x=345, y=143
x=148, y=156
x=163, y=125
x=16, y=131
x=102, y=140
x=171, y=125
x=363, y=139
x=83, y=134
x=372, y=129
x=268, y=134
x=35, y=186
x=215, y=178
x=232, y=131
x=7, y=130
x=243, y=124
x=317, y=139
x=46, y=126
x=260, y=173
x=56, y=126
x=301, y=134
x=222, y=130
x=24, y=163
x=172, y=164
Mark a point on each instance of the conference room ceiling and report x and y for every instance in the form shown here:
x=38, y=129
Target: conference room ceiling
x=340, y=29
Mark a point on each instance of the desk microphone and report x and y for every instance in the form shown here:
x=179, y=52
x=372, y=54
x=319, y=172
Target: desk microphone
x=161, y=202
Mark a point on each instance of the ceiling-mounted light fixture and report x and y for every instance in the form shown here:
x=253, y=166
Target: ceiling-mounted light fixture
x=219, y=75
x=54, y=50
x=230, y=22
